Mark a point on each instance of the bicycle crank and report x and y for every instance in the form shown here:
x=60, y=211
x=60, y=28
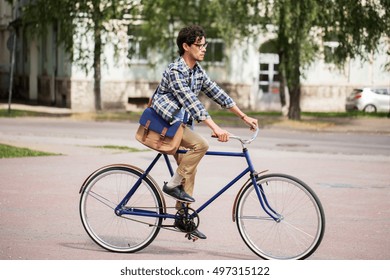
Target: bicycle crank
x=187, y=220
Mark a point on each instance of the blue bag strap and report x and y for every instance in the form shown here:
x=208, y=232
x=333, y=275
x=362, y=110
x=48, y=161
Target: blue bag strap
x=151, y=98
x=185, y=117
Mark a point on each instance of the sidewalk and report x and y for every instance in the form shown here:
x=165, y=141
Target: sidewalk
x=39, y=196
x=39, y=109
x=346, y=125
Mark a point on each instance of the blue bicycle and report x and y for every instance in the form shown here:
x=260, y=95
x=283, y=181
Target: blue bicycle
x=122, y=208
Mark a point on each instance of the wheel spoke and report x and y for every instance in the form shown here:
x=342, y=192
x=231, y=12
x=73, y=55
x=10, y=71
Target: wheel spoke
x=301, y=226
x=103, y=200
x=102, y=194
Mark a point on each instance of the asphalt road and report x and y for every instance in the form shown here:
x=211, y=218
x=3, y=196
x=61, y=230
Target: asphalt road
x=347, y=166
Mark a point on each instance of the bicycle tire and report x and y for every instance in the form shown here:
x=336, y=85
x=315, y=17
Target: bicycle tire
x=301, y=227
x=102, y=192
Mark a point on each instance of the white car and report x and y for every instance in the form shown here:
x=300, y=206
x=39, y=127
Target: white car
x=369, y=100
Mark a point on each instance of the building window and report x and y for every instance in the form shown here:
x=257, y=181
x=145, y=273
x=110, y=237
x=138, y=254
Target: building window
x=269, y=78
x=215, y=51
x=138, y=51
x=329, y=49
x=137, y=46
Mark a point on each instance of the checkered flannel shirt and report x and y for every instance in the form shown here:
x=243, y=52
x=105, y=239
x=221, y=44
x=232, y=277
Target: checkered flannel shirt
x=177, y=90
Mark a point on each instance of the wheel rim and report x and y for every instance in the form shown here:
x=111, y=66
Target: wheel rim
x=370, y=109
x=114, y=233
x=298, y=233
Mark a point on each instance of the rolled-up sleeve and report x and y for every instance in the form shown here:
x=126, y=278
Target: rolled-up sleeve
x=214, y=92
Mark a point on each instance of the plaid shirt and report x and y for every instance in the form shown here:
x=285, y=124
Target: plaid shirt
x=177, y=90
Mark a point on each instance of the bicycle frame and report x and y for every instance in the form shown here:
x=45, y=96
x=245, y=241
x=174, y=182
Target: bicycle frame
x=121, y=210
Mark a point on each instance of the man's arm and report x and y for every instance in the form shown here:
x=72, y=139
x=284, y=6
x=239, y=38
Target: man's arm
x=251, y=122
x=222, y=134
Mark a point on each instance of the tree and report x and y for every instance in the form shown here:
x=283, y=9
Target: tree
x=294, y=21
x=162, y=18
x=80, y=23
x=302, y=26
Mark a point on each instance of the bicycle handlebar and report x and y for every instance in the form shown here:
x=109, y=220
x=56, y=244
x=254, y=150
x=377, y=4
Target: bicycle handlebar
x=246, y=141
x=242, y=140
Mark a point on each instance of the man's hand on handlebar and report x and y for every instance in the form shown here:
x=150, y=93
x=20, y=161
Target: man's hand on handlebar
x=251, y=122
x=221, y=134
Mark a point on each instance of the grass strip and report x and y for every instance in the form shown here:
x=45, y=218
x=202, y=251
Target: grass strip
x=122, y=148
x=7, y=151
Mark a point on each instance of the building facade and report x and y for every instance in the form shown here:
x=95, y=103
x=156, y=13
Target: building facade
x=43, y=73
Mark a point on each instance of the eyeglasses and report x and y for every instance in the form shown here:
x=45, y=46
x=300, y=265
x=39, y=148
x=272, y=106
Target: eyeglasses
x=201, y=46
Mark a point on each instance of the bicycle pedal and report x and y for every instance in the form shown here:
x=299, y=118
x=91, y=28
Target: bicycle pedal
x=189, y=236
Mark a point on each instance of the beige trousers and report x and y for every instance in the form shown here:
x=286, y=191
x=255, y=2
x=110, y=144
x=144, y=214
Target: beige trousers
x=197, y=146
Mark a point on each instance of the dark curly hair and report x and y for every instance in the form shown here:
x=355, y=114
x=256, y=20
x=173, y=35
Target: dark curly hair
x=189, y=35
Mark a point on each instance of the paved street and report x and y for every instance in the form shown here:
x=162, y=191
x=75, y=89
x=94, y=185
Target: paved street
x=346, y=165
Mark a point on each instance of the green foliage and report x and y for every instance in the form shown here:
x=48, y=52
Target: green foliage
x=18, y=113
x=76, y=20
x=163, y=18
x=300, y=27
x=228, y=20
x=357, y=26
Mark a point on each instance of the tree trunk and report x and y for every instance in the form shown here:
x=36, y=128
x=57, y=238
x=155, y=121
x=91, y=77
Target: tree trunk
x=294, y=111
x=282, y=64
x=282, y=91
x=97, y=66
x=294, y=84
x=282, y=80
x=96, y=87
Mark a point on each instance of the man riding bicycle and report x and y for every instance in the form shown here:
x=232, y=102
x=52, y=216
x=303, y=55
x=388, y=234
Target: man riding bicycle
x=177, y=96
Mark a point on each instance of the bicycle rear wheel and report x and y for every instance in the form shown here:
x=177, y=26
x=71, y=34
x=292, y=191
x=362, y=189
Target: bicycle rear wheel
x=300, y=229
x=103, y=191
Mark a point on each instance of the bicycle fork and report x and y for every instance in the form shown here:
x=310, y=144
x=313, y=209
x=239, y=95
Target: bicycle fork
x=260, y=191
x=264, y=202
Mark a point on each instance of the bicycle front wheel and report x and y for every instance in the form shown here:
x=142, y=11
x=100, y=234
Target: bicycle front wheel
x=102, y=193
x=298, y=231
